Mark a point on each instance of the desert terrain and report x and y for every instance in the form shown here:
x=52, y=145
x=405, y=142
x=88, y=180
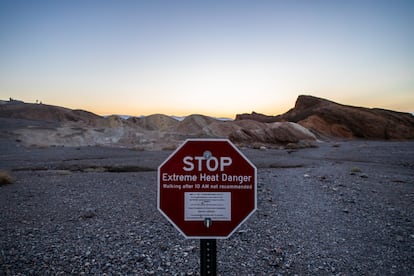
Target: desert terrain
x=337, y=206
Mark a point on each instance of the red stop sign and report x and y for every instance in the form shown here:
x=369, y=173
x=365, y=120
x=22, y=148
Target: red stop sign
x=207, y=188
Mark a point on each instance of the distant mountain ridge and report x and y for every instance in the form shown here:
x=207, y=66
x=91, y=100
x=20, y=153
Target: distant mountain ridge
x=312, y=119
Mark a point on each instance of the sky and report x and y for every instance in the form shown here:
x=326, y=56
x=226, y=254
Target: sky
x=216, y=58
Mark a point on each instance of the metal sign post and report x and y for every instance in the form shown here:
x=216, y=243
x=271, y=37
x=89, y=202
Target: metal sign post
x=208, y=257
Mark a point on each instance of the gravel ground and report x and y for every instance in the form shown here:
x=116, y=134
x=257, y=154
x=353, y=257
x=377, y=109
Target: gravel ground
x=340, y=209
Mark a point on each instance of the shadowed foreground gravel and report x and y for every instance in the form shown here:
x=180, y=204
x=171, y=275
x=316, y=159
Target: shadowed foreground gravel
x=340, y=209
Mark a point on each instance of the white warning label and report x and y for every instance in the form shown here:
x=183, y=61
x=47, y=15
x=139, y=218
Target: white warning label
x=215, y=206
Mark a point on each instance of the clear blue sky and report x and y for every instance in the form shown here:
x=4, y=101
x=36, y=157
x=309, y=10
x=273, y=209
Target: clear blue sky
x=212, y=57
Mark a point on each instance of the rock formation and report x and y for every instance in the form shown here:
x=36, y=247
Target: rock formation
x=267, y=134
x=329, y=119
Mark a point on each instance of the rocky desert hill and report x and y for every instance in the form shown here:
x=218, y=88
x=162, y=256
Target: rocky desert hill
x=49, y=113
x=329, y=119
x=159, y=122
x=311, y=120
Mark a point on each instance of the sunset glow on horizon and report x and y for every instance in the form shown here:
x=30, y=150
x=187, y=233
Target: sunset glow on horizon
x=216, y=58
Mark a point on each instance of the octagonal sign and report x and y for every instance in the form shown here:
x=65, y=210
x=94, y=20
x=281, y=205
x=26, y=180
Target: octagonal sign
x=207, y=188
